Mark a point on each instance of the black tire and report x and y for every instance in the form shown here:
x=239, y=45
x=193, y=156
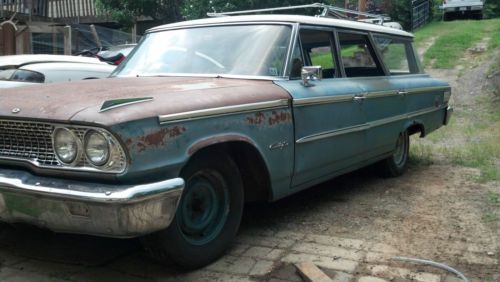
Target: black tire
x=202, y=228
x=395, y=165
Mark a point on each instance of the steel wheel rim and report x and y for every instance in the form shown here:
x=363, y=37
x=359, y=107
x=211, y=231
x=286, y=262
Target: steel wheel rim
x=204, y=207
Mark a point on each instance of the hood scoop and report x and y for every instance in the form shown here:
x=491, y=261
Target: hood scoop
x=117, y=103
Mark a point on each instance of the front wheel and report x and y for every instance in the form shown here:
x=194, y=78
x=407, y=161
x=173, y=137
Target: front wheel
x=395, y=165
x=208, y=215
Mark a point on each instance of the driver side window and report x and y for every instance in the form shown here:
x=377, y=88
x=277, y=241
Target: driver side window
x=318, y=50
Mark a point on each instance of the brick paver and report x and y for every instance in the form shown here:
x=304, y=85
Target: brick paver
x=253, y=257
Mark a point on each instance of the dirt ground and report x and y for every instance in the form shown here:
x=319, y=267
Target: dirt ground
x=435, y=211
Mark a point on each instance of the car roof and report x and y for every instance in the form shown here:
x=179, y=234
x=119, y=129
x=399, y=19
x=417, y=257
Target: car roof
x=350, y=24
x=19, y=60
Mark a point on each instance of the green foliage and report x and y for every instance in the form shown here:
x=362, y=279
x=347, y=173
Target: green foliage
x=126, y=12
x=494, y=198
x=491, y=9
x=400, y=11
x=195, y=9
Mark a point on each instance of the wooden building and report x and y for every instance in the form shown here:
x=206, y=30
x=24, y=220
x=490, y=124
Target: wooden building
x=22, y=20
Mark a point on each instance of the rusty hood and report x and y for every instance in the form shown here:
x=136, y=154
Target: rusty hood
x=81, y=101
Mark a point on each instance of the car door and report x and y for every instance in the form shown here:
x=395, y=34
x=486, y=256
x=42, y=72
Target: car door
x=330, y=129
x=383, y=96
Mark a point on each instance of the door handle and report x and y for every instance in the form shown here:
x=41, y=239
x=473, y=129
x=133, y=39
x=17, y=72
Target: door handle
x=359, y=97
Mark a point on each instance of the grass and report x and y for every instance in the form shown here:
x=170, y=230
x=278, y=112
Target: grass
x=469, y=140
x=481, y=155
x=494, y=198
x=454, y=38
x=324, y=60
x=491, y=217
x=420, y=153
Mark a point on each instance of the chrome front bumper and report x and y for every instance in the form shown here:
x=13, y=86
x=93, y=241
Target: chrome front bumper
x=69, y=206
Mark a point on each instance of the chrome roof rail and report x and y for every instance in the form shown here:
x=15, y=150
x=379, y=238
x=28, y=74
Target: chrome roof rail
x=327, y=12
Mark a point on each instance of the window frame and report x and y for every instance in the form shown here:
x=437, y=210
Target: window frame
x=414, y=66
x=377, y=59
x=333, y=48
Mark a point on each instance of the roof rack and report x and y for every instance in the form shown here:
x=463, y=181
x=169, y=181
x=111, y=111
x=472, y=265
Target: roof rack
x=328, y=11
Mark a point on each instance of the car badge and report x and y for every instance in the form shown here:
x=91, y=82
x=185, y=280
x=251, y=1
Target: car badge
x=16, y=110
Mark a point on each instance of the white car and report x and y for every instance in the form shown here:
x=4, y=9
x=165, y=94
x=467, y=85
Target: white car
x=381, y=21
x=462, y=8
x=22, y=70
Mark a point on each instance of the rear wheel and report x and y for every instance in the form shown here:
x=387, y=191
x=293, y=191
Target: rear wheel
x=395, y=165
x=208, y=215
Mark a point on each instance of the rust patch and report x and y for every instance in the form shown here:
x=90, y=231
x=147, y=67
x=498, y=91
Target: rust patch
x=140, y=147
x=156, y=138
x=279, y=117
x=257, y=119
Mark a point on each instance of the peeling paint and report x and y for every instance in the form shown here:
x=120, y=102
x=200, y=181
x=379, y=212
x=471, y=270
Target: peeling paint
x=155, y=139
x=257, y=119
x=279, y=117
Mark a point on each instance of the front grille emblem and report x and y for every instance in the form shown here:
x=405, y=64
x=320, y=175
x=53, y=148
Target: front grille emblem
x=16, y=110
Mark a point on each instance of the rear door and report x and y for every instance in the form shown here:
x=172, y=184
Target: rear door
x=383, y=96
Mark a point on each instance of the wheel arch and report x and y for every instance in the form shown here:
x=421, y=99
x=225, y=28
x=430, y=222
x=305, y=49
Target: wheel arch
x=247, y=157
x=415, y=126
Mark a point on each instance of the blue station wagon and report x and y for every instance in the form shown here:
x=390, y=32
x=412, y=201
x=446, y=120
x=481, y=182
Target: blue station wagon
x=206, y=115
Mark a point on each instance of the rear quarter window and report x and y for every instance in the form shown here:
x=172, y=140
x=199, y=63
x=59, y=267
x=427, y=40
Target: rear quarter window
x=397, y=55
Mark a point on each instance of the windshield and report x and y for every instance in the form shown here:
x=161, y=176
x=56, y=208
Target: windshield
x=255, y=50
x=22, y=75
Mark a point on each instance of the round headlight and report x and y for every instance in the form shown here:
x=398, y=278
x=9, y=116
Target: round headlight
x=96, y=148
x=65, y=145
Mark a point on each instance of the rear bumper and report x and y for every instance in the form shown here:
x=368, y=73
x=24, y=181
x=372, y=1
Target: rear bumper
x=448, y=114
x=69, y=206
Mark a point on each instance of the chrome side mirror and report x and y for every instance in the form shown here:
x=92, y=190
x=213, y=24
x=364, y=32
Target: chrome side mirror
x=311, y=73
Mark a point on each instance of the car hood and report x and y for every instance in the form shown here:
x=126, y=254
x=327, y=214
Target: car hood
x=82, y=101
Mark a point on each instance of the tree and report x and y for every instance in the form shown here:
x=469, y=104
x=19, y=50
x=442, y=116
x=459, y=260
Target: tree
x=400, y=11
x=126, y=12
x=195, y=9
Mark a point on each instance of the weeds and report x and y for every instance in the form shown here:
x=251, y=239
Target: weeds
x=494, y=198
x=421, y=154
x=491, y=217
x=481, y=155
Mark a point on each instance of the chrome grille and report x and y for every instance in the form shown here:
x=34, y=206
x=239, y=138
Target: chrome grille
x=28, y=141
x=32, y=142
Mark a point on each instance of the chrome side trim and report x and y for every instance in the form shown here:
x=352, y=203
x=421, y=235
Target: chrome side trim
x=332, y=133
x=368, y=95
x=366, y=126
x=380, y=94
x=384, y=121
x=427, y=89
x=322, y=100
x=222, y=111
x=424, y=111
x=209, y=75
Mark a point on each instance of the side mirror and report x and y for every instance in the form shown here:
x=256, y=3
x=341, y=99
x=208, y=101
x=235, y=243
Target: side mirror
x=311, y=73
